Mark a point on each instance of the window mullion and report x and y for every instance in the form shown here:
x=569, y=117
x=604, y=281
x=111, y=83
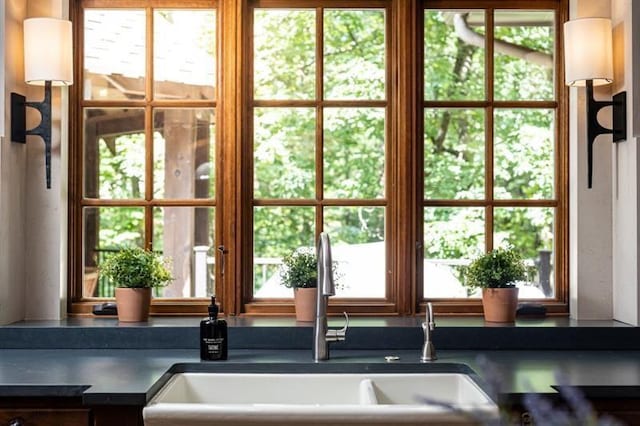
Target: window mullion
x=319, y=213
x=405, y=110
x=148, y=130
x=234, y=190
x=489, y=128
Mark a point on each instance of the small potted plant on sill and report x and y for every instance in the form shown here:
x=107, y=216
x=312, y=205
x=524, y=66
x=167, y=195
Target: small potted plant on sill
x=135, y=272
x=300, y=272
x=496, y=273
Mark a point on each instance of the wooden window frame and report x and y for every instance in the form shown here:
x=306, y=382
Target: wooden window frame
x=387, y=305
x=559, y=303
x=234, y=203
x=77, y=303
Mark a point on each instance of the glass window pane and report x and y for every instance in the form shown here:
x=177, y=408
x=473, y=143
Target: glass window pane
x=530, y=230
x=354, y=54
x=184, y=54
x=278, y=231
x=114, y=54
x=184, y=153
x=454, y=153
x=284, y=152
x=524, y=55
x=358, y=247
x=186, y=236
x=106, y=231
x=284, y=54
x=454, y=51
x=452, y=238
x=524, y=154
x=354, y=153
x=114, y=152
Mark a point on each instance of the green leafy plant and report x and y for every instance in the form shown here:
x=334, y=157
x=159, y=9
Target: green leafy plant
x=500, y=268
x=300, y=269
x=137, y=268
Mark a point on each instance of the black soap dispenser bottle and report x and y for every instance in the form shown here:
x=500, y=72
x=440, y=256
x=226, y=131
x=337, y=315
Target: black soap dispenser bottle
x=213, y=335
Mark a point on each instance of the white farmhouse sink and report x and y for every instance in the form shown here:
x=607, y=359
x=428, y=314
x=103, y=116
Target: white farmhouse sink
x=194, y=399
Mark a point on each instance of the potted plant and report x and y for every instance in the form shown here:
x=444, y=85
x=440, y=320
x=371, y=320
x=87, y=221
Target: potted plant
x=496, y=274
x=300, y=272
x=135, y=272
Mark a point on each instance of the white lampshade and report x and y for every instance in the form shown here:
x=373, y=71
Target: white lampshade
x=588, y=51
x=47, y=51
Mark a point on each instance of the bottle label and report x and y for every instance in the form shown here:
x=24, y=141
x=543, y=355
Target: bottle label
x=213, y=345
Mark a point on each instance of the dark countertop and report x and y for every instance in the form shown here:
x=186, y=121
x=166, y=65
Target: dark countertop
x=105, y=363
x=131, y=377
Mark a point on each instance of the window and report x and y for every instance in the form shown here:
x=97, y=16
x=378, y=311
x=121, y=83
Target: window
x=148, y=140
x=226, y=143
x=320, y=137
x=491, y=143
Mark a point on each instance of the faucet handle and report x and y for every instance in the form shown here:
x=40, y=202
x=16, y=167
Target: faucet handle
x=338, y=335
x=343, y=330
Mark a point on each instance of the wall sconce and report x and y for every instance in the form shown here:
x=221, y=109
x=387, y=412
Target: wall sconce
x=589, y=62
x=47, y=61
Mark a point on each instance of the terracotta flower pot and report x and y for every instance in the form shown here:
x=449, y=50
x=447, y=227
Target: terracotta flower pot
x=305, y=303
x=133, y=304
x=500, y=304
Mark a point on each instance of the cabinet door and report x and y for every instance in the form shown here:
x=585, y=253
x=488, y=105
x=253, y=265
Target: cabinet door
x=626, y=410
x=44, y=417
x=107, y=415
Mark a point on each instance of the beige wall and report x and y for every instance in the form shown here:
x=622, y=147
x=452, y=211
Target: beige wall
x=12, y=171
x=604, y=220
x=33, y=219
x=46, y=209
x=590, y=242
x=625, y=162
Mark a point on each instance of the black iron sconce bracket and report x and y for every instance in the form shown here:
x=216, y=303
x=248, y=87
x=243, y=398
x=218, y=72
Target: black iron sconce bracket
x=19, y=130
x=619, y=130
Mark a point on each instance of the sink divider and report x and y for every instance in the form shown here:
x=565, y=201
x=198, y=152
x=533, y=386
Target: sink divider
x=368, y=393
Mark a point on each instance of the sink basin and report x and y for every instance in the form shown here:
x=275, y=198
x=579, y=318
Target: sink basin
x=193, y=399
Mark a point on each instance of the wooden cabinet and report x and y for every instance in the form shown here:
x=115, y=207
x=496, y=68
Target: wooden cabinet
x=44, y=417
x=625, y=410
x=108, y=415
x=65, y=412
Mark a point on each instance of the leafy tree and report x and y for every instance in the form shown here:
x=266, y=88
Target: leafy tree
x=354, y=137
x=454, y=140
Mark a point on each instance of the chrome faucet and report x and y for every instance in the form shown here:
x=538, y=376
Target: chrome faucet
x=428, y=350
x=322, y=336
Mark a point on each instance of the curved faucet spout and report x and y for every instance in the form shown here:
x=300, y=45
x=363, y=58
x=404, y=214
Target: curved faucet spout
x=325, y=266
x=326, y=288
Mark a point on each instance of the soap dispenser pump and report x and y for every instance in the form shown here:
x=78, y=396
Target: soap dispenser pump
x=213, y=335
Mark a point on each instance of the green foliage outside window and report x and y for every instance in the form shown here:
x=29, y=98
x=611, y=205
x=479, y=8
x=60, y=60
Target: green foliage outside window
x=354, y=152
x=454, y=138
